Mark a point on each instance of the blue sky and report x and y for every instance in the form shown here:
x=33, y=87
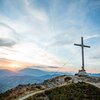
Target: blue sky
x=42, y=32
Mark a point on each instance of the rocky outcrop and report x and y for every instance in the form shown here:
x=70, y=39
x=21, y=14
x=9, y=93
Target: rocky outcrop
x=54, y=82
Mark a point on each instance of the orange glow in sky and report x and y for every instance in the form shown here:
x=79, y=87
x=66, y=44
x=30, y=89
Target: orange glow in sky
x=12, y=65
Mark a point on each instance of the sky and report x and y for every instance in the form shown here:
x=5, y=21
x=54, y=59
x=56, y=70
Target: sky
x=41, y=34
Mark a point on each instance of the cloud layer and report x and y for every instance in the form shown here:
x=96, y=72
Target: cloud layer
x=44, y=32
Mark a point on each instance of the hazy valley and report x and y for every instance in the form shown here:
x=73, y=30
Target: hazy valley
x=9, y=79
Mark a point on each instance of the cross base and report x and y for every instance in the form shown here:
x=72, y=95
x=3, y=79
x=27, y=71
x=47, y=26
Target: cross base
x=82, y=73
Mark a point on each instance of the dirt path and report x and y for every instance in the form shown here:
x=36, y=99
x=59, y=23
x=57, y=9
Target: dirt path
x=31, y=94
x=41, y=91
x=95, y=84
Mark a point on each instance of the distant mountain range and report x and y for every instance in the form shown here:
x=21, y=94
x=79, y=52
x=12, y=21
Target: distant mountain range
x=5, y=72
x=95, y=75
x=32, y=72
x=10, y=79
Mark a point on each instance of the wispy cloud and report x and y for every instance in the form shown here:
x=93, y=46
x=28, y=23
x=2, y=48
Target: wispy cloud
x=96, y=54
x=43, y=32
x=92, y=36
x=8, y=32
x=35, y=13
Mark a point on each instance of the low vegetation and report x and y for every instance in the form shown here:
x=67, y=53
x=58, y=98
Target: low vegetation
x=18, y=91
x=74, y=91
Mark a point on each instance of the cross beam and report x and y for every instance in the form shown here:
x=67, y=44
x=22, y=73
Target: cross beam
x=82, y=46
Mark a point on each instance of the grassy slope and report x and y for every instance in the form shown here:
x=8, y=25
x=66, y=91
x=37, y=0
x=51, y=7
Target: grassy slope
x=75, y=91
x=20, y=90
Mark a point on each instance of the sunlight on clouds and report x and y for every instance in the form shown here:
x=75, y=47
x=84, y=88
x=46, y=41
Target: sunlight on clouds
x=45, y=33
x=31, y=53
x=15, y=66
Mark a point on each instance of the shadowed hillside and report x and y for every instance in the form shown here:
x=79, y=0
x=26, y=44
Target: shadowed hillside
x=74, y=91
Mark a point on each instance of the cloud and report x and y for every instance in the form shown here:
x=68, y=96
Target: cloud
x=33, y=12
x=7, y=42
x=3, y=24
x=96, y=57
x=12, y=64
x=91, y=36
x=42, y=66
x=6, y=29
x=96, y=54
x=33, y=54
x=8, y=35
x=62, y=39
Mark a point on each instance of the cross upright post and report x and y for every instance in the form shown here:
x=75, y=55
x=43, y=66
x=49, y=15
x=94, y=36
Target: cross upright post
x=82, y=54
x=82, y=46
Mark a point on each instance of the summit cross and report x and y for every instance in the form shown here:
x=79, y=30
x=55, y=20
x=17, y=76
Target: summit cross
x=82, y=46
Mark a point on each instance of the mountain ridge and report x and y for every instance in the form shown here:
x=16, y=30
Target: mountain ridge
x=28, y=91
